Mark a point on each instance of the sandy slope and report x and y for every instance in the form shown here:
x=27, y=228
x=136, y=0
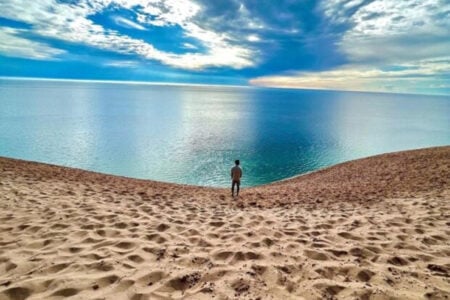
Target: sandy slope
x=377, y=228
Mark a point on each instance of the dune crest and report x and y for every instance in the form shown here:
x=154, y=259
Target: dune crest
x=375, y=228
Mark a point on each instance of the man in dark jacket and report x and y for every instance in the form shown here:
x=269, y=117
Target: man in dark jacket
x=236, y=174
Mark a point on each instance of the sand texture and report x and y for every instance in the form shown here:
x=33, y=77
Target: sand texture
x=375, y=228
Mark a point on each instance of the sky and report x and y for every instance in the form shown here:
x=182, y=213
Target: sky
x=400, y=46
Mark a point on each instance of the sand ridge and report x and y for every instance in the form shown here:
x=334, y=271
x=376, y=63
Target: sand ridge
x=376, y=228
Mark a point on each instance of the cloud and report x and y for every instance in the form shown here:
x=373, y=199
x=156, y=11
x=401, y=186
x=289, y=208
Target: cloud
x=164, y=12
x=128, y=23
x=14, y=45
x=398, y=46
x=422, y=77
x=189, y=46
x=386, y=31
x=122, y=63
x=370, y=43
x=253, y=38
x=71, y=23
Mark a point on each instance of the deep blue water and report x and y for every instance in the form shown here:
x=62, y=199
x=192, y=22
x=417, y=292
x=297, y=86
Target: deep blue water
x=192, y=134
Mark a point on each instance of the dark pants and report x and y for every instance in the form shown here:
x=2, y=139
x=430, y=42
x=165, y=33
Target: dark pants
x=237, y=183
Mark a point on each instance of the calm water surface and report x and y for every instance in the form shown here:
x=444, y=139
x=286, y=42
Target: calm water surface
x=192, y=134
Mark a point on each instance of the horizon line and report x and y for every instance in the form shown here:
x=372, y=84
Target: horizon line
x=135, y=82
x=250, y=86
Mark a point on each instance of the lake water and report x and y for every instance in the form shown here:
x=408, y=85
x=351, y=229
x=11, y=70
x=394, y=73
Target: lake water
x=193, y=134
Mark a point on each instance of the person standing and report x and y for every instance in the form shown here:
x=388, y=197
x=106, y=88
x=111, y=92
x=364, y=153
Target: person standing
x=236, y=174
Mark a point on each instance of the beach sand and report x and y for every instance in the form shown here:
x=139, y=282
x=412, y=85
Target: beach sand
x=375, y=228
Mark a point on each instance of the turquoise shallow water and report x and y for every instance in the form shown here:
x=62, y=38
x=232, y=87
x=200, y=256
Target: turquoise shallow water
x=192, y=134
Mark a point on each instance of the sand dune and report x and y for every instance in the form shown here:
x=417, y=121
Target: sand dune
x=376, y=228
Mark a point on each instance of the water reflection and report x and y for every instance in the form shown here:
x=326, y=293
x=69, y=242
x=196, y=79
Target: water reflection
x=369, y=124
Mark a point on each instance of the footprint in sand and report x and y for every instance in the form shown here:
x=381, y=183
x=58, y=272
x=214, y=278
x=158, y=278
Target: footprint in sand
x=184, y=282
x=107, y=280
x=349, y=236
x=315, y=255
x=67, y=292
x=365, y=275
x=136, y=259
x=329, y=289
x=150, y=279
x=16, y=293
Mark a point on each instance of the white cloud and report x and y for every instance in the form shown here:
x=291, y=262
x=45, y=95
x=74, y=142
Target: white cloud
x=421, y=77
x=168, y=12
x=391, y=46
x=71, y=23
x=253, y=38
x=122, y=64
x=189, y=46
x=13, y=45
x=128, y=23
x=389, y=31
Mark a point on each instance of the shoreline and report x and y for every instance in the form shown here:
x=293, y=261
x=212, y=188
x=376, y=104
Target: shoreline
x=295, y=177
x=372, y=228
x=400, y=172
x=381, y=155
